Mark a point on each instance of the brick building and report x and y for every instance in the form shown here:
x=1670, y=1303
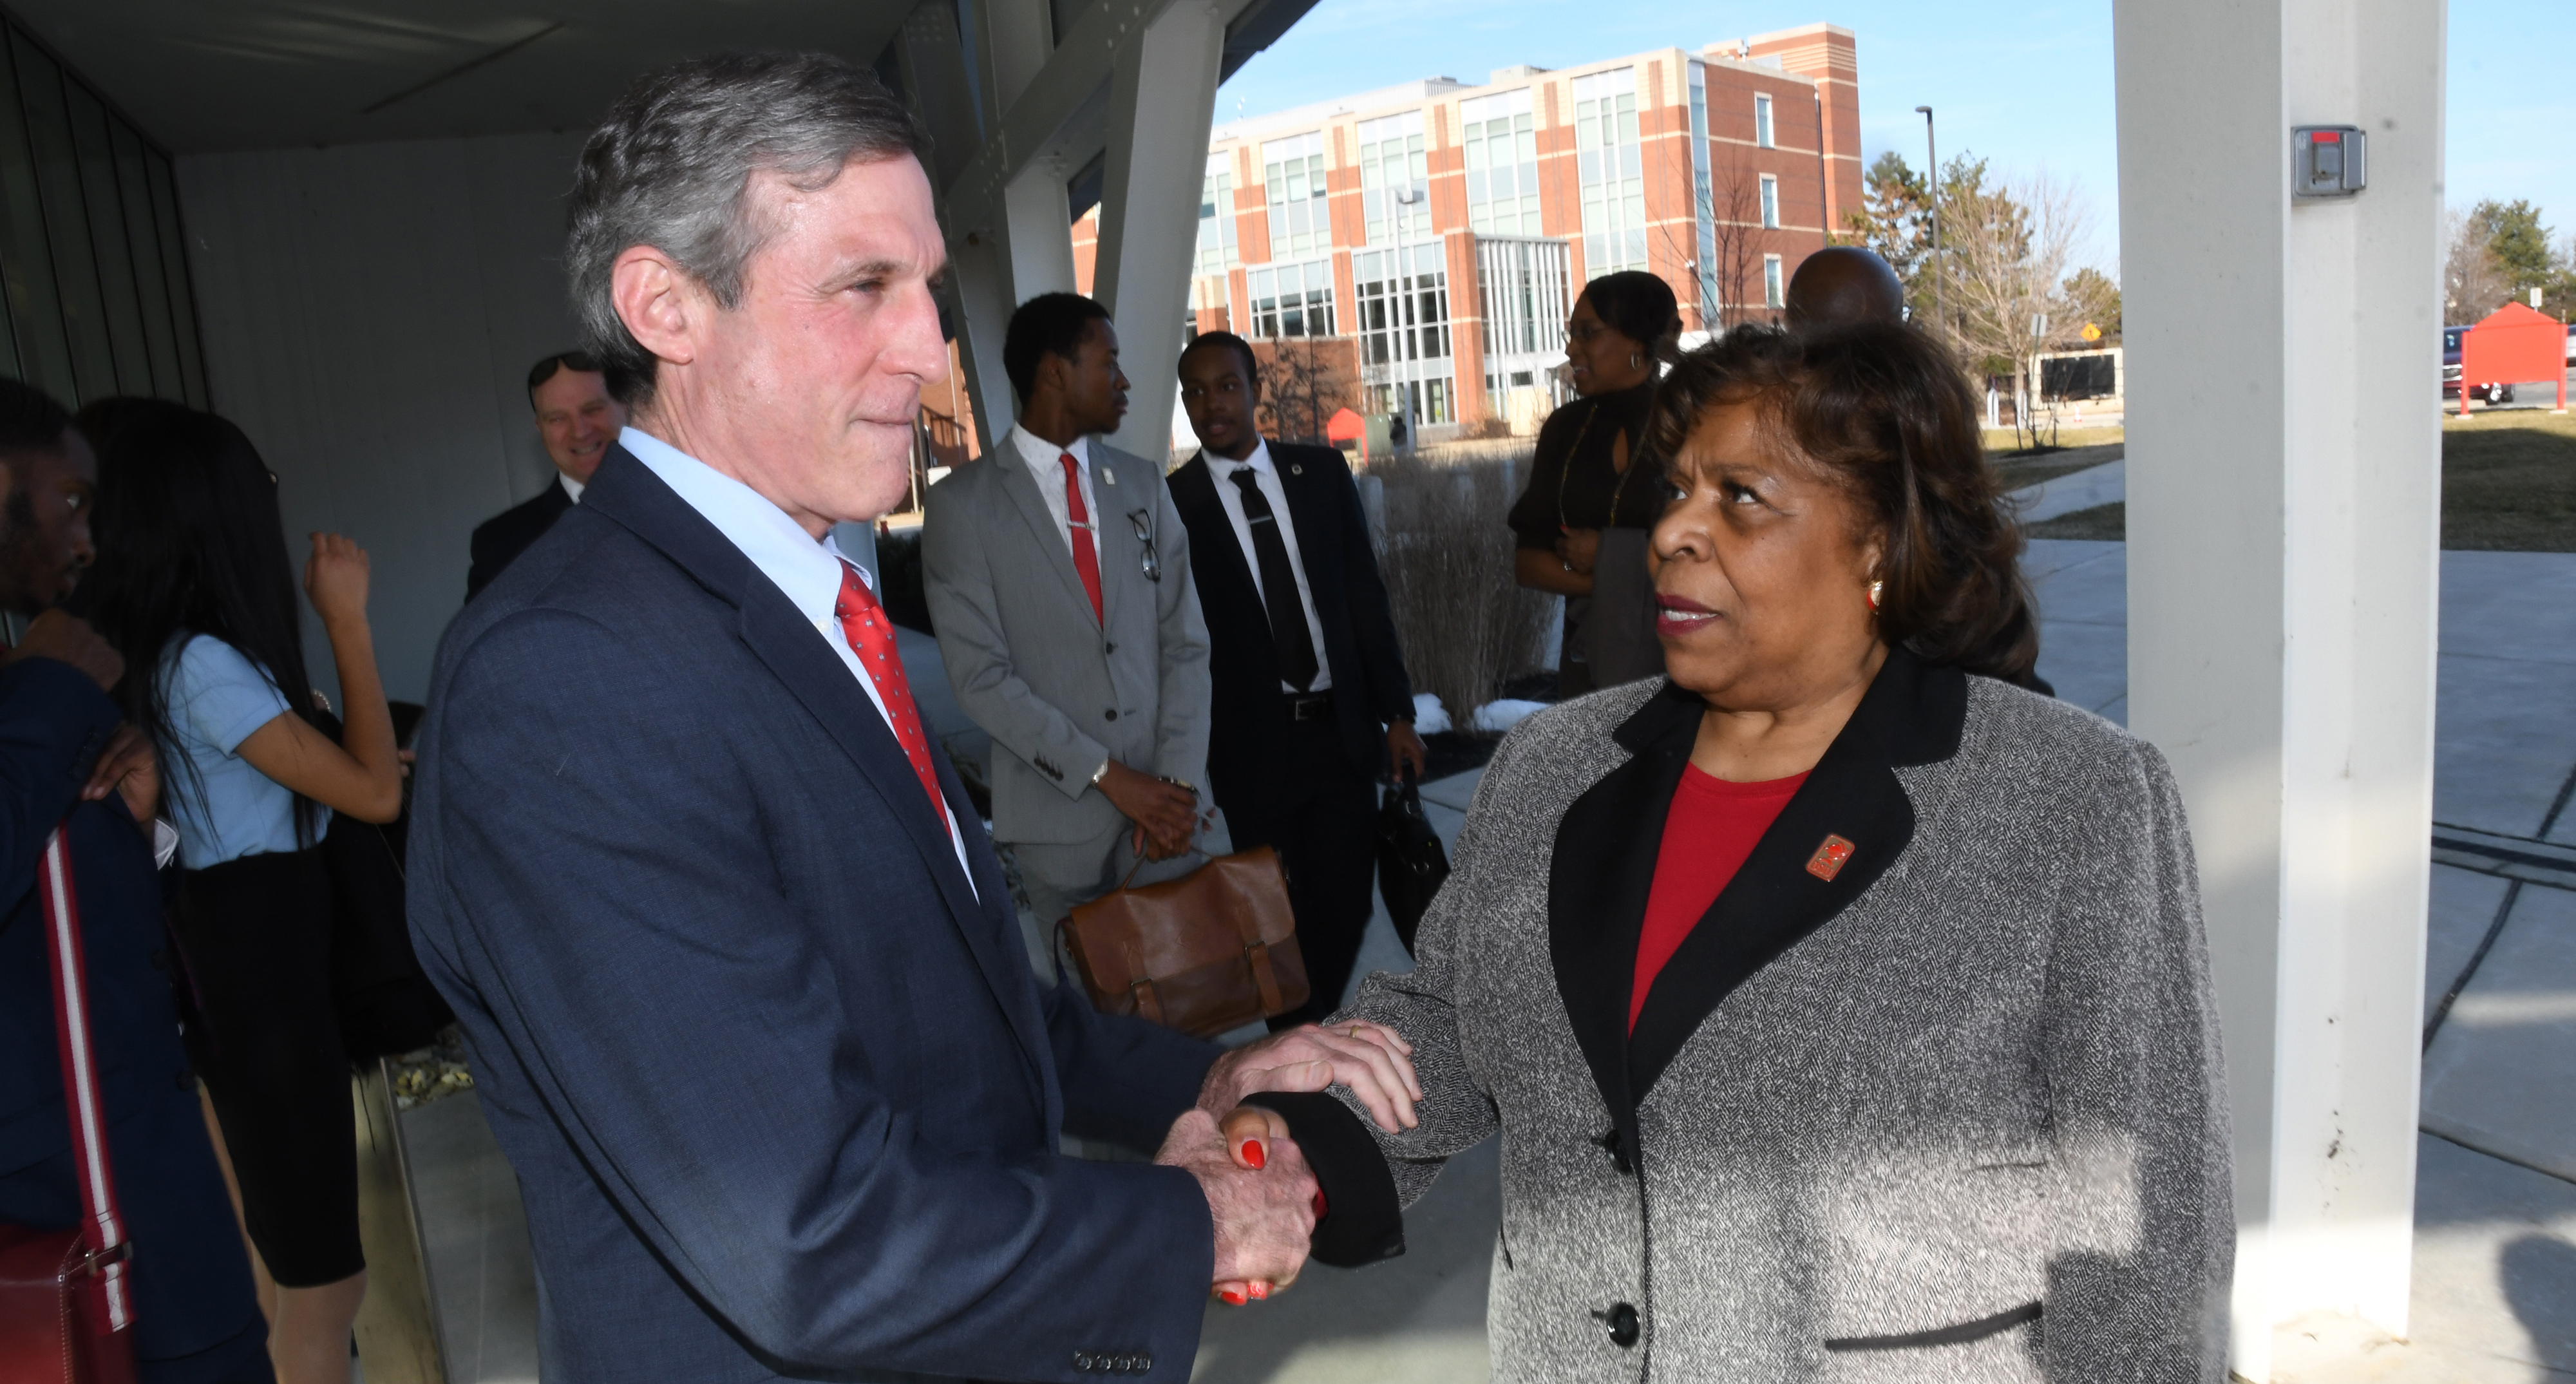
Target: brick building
x=1443, y=226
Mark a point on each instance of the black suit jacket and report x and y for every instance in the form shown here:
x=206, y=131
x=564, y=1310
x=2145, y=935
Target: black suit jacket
x=499, y=540
x=1247, y=751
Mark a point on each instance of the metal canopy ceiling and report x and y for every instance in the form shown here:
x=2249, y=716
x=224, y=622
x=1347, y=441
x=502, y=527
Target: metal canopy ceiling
x=206, y=75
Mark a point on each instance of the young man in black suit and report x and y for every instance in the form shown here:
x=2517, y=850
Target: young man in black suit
x=1312, y=703
x=578, y=415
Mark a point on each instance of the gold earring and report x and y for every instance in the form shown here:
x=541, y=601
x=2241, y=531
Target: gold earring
x=1873, y=594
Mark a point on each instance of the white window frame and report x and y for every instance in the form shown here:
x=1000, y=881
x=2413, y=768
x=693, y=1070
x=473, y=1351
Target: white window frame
x=1773, y=288
x=1770, y=202
x=1762, y=121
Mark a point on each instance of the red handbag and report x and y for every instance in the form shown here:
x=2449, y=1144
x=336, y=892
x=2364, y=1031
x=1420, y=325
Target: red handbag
x=66, y=1296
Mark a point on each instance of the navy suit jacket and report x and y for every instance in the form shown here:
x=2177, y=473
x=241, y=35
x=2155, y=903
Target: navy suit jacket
x=1248, y=745
x=499, y=540
x=192, y=1286
x=781, y=1092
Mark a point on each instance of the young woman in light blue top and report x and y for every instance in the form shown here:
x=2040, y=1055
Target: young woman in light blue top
x=194, y=583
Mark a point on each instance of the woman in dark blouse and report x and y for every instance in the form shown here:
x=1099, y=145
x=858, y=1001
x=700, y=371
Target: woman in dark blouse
x=1582, y=524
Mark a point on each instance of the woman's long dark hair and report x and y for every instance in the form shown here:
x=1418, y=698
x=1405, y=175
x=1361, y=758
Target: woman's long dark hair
x=1887, y=412
x=190, y=542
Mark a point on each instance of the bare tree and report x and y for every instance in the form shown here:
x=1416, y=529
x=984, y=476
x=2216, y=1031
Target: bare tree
x=1301, y=387
x=2009, y=249
x=1735, y=215
x=2473, y=279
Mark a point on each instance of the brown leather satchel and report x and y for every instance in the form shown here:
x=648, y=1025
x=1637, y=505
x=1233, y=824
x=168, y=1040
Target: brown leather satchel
x=1206, y=953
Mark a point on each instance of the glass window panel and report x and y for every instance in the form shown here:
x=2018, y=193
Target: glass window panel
x=41, y=351
x=151, y=279
x=49, y=136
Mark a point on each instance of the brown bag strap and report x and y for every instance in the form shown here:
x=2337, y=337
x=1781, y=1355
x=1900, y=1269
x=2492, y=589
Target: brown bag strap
x=1257, y=952
x=1141, y=986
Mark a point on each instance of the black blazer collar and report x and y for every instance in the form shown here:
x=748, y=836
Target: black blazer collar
x=627, y=492
x=1610, y=838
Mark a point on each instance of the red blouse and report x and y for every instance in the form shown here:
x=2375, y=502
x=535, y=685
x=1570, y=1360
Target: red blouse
x=1711, y=828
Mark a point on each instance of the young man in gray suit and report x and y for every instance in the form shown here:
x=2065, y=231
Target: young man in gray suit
x=1058, y=577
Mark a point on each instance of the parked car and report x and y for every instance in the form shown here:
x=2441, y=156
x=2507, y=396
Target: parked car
x=2489, y=392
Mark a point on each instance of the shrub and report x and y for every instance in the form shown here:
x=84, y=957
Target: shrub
x=1467, y=626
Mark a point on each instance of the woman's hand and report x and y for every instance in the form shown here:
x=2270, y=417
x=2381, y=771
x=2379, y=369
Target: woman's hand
x=1373, y=1061
x=1250, y=1133
x=335, y=579
x=1579, y=549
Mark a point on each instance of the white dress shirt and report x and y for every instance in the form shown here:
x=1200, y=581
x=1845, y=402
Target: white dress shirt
x=809, y=572
x=1265, y=474
x=1046, y=464
x=571, y=487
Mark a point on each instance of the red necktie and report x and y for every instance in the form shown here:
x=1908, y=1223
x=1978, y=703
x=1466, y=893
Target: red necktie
x=1086, y=558
x=871, y=637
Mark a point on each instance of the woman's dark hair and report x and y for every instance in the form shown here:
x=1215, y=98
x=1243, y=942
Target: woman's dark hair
x=190, y=542
x=1886, y=412
x=1639, y=306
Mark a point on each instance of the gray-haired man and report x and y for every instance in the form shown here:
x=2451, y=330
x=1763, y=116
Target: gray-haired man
x=746, y=997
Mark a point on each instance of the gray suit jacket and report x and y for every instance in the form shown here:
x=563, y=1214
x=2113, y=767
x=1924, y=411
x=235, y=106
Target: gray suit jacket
x=1955, y=1113
x=1060, y=693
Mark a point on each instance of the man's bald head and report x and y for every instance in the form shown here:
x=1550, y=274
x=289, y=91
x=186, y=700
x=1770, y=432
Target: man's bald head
x=1842, y=286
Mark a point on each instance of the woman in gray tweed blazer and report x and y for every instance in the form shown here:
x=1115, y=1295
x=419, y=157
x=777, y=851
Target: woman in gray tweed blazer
x=1931, y=1091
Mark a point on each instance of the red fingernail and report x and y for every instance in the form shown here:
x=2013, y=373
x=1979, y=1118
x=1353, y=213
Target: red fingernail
x=1232, y=1296
x=1260, y=1291
x=1319, y=1204
x=1253, y=1155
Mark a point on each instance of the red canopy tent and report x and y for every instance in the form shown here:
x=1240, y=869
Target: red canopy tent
x=2513, y=344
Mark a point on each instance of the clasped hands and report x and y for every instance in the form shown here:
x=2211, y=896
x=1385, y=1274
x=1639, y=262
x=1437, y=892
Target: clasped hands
x=1261, y=1195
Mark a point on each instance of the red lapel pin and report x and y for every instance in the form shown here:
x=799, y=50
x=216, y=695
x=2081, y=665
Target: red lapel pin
x=1829, y=859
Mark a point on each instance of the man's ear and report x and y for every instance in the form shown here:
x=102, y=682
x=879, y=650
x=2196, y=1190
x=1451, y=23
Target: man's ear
x=661, y=305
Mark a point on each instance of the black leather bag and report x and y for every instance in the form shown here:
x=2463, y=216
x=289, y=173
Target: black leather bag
x=1411, y=864
x=386, y=1002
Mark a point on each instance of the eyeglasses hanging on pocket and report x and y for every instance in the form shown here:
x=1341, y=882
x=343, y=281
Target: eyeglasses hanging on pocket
x=1152, y=561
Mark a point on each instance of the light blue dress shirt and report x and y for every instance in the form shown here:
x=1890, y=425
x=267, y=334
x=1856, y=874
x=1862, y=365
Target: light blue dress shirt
x=806, y=570
x=228, y=809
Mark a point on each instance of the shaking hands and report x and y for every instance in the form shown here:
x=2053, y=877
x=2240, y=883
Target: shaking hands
x=1261, y=1194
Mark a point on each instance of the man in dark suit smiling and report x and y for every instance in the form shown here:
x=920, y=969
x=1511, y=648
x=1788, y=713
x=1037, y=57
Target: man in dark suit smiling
x=578, y=415
x=1312, y=701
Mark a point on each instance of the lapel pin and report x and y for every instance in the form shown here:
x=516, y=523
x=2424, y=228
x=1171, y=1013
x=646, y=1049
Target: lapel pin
x=1296, y=468
x=1829, y=859
x=1112, y=475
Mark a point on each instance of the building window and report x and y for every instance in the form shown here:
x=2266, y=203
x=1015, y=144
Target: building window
x=1610, y=163
x=1770, y=203
x=1217, y=249
x=1771, y=290
x=1502, y=164
x=1395, y=179
x=1525, y=298
x=1292, y=179
x=1291, y=299
x=1403, y=305
x=1703, y=200
x=1762, y=121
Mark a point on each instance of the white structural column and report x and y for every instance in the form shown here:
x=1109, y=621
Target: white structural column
x=2283, y=518
x=1161, y=94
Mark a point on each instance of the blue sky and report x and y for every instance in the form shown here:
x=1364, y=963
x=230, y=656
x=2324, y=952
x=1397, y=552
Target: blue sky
x=2025, y=83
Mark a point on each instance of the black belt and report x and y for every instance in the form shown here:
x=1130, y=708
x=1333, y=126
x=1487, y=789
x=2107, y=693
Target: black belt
x=1310, y=706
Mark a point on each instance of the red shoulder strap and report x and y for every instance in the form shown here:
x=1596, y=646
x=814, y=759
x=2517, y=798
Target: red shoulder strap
x=102, y=1229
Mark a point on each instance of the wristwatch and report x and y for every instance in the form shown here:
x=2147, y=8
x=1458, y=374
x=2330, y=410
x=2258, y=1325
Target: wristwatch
x=1100, y=773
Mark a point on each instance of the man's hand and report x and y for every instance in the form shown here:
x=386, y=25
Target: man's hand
x=70, y=639
x=1404, y=748
x=1374, y=1061
x=127, y=766
x=1166, y=812
x=1264, y=1220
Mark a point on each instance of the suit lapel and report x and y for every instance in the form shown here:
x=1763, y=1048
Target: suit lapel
x=1310, y=514
x=1056, y=551
x=629, y=493
x=1598, y=880
x=1116, y=492
x=1194, y=494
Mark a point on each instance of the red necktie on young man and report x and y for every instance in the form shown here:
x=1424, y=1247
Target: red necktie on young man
x=1086, y=554
x=871, y=636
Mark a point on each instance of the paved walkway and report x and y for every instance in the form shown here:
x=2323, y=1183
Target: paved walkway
x=2495, y=1280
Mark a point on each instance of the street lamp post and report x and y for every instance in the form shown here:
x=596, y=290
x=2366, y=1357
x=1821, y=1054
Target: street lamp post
x=1932, y=180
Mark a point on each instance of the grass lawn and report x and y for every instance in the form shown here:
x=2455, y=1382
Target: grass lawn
x=2014, y=472
x=2001, y=440
x=2508, y=485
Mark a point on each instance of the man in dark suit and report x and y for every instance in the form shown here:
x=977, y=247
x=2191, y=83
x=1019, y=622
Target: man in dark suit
x=578, y=415
x=747, y=1003
x=1312, y=703
x=65, y=759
